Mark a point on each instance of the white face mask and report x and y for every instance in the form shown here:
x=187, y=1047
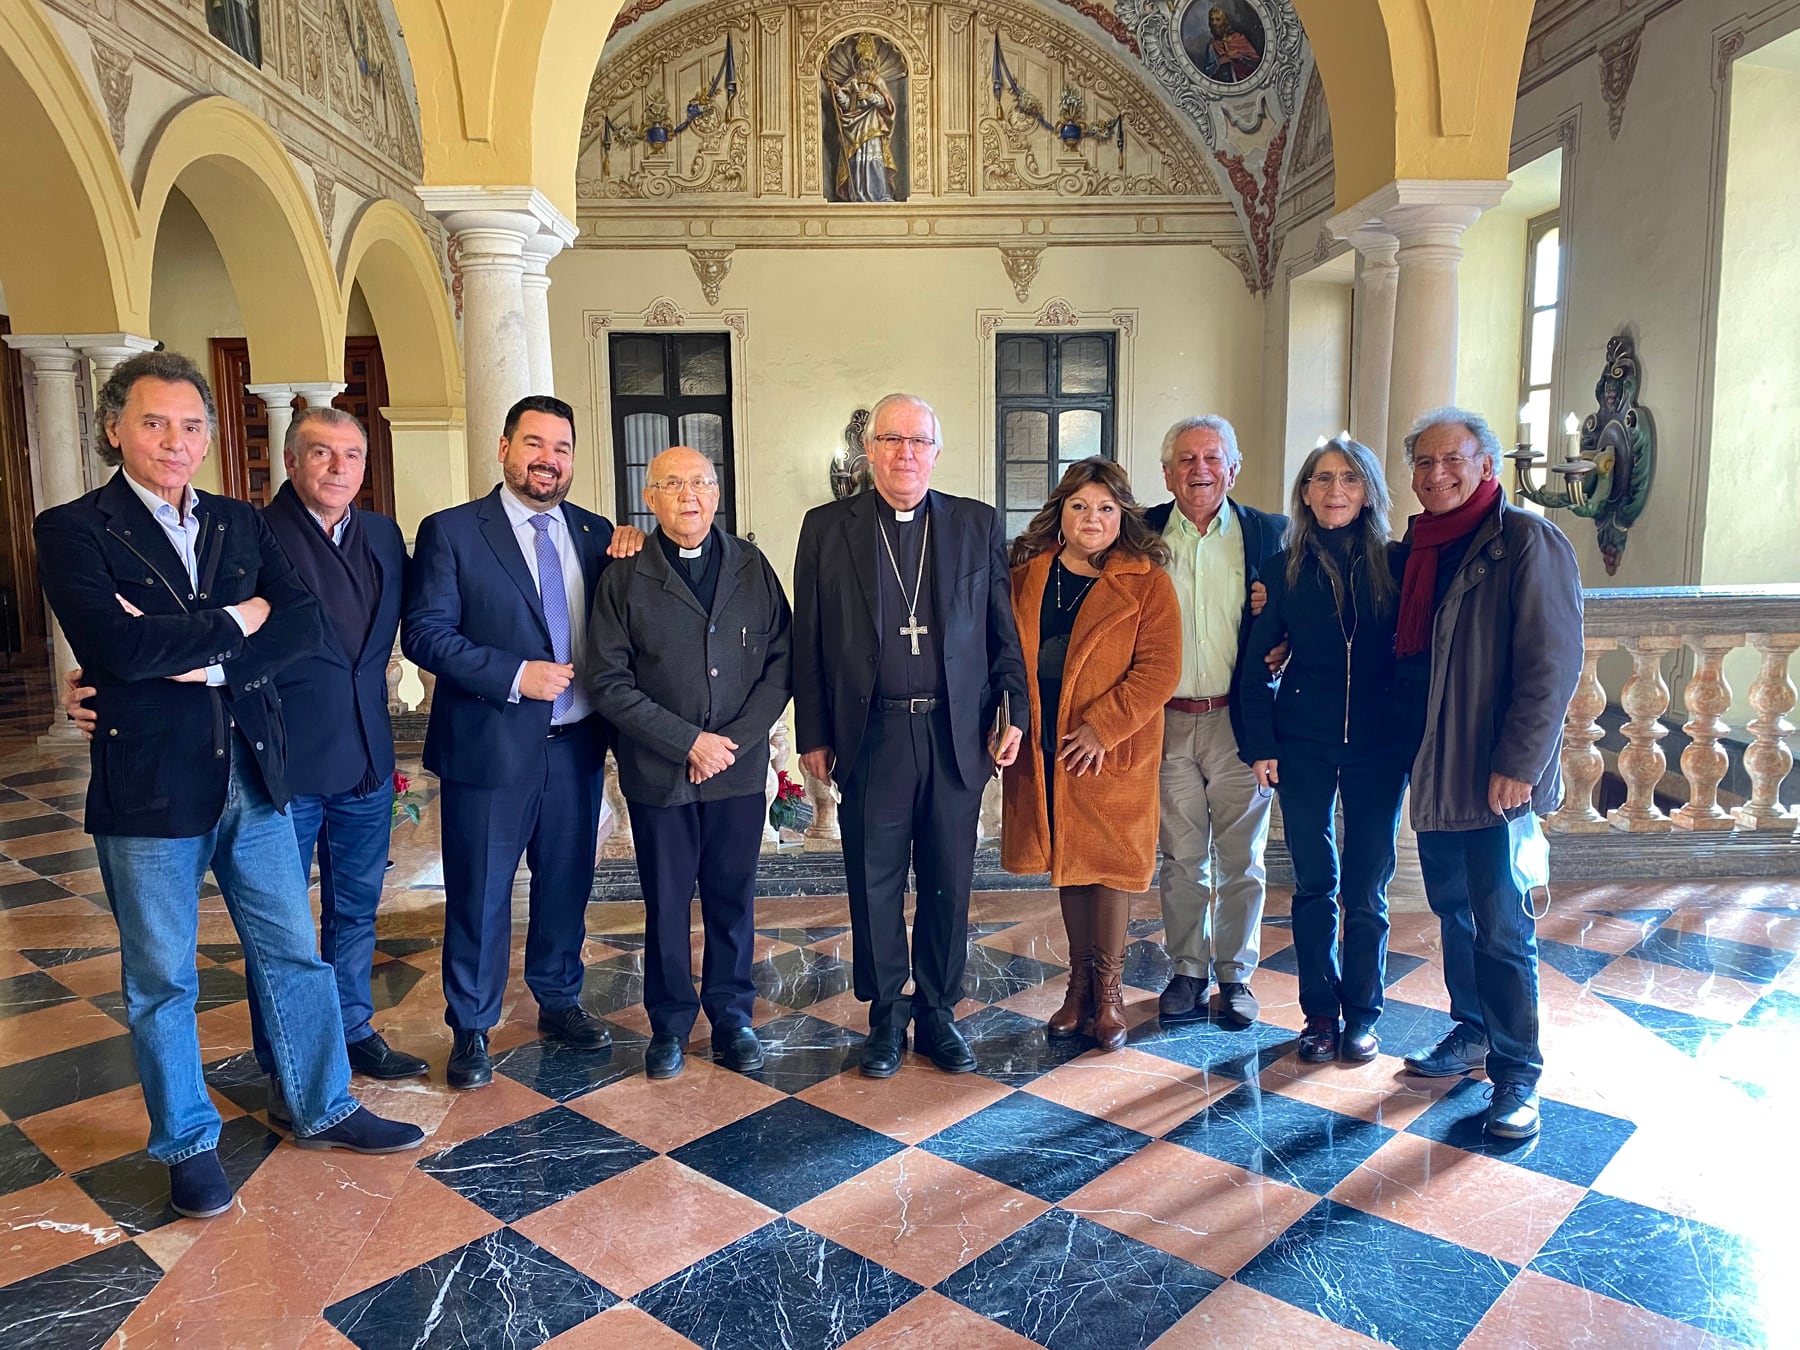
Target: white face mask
x=1530, y=854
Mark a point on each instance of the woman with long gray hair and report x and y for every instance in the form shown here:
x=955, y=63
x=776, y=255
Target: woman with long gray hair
x=1317, y=735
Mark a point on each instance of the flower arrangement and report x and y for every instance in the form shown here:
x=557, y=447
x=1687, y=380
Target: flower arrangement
x=405, y=808
x=784, y=811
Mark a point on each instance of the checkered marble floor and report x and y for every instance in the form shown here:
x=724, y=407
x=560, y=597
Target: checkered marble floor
x=1199, y=1188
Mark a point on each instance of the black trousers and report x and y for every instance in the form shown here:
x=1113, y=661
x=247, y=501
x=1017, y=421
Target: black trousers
x=905, y=803
x=714, y=845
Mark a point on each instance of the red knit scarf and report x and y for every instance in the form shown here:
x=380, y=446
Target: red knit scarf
x=1418, y=588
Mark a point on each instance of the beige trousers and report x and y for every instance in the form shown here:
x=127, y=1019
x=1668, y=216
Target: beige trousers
x=1211, y=803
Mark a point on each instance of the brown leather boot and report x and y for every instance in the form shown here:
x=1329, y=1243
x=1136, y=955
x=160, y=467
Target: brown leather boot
x=1078, y=922
x=1112, y=914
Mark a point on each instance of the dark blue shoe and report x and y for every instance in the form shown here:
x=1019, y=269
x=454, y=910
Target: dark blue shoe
x=363, y=1131
x=198, y=1188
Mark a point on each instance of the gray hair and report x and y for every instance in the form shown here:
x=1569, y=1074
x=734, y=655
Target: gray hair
x=1210, y=422
x=895, y=400
x=328, y=416
x=170, y=367
x=1303, y=527
x=1473, y=423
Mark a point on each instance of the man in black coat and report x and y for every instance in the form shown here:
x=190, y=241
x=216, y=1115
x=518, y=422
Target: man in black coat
x=1210, y=799
x=181, y=608
x=690, y=666
x=903, y=647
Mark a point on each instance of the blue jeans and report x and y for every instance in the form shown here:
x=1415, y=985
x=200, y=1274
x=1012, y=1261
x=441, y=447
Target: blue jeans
x=351, y=834
x=1490, y=946
x=153, y=886
x=1347, y=876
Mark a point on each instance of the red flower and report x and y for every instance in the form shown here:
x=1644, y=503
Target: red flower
x=402, y=784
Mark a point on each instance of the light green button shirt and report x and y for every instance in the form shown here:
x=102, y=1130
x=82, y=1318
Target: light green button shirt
x=1208, y=572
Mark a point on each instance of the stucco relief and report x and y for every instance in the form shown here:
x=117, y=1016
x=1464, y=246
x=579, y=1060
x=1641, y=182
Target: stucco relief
x=112, y=68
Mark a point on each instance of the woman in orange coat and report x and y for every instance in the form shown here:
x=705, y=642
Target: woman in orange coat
x=1101, y=631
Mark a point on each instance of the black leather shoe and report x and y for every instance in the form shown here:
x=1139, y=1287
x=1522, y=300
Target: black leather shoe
x=738, y=1050
x=469, y=1065
x=1237, y=1005
x=375, y=1058
x=665, y=1057
x=276, y=1107
x=1182, y=997
x=881, y=1052
x=939, y=1038
x=1359, y=1046
x=576, y=1026
x=362, y=1131
x=198, y=1188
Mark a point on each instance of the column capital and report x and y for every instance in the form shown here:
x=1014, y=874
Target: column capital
x=539, y=250
x=111, y=348
x=1418, y=211
x=271, y=394
x=451, y=202
x=49, y=352
x=425, y=419
x=319, y=394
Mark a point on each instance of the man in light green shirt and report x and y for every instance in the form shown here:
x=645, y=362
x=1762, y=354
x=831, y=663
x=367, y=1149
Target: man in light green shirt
x=1210, y=798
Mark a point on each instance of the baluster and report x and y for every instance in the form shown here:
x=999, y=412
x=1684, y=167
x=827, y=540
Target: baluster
x=1582, y=765
x=1704, y=762
x=429, y=681
x=396, y=672
x=1641, y=762
x=778, y=758
x=1768, y=759
x=988, y=826
x=619, y=843
x=822, y=836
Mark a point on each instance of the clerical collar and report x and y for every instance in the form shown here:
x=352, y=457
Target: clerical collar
x=893, y=513
x=692, y=552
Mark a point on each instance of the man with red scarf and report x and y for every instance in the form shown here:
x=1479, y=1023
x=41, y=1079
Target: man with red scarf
x=1488, y=652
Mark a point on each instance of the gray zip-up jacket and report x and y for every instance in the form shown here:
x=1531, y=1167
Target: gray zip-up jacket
x=1506, y=649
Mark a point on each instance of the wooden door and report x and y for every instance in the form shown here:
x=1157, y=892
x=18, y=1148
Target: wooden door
x=365, y=394
x=21, y=607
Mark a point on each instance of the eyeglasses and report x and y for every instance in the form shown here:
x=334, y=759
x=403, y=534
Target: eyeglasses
x=1449, y=464
x=676, y=486
x=890, y=442
x=1349, y=478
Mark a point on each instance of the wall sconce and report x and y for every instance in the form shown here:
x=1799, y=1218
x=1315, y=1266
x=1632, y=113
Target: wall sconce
x=1611, y=457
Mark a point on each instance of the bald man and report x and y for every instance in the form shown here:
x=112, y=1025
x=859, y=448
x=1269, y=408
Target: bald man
x=689, y=662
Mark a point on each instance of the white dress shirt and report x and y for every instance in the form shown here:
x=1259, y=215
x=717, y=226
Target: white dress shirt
x=519, y=515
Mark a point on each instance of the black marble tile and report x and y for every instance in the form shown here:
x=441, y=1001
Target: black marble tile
x=18, y=894
x=521, y=1168
x=134, y=1190
x=1580, y=964
x=802, y=1050
x=500, y=1292
x=68, y=801
x=1012, y=1048
x=112, y=1003
x=1147, y=965
x=786, y=1154
x=624, y=941
x=779, y=1286
x=1068, y=1283
x=1677, y=1268
x=22, y=1163
x=612, y=984
x=1575, y=1145
x=407, y=946
x=1291, y=1141
x=55, y=864
x=1384, y=1280
x=798, y=937
x=563, y=1072
x=1143, y=928
x=29, y=992
x=1684, y=1031
x=239, y=1079
x=1406, y=1027
x=988, y=928
x=222, y=952
x=220, y=987
x=800, y=977
x=1713, y=955
x=392, y=981
x=1287, y=961
x=7, y=795
x=48, y=823
x=1036, y=1146
x=993, y=974
x=72, y=1075
x=78, y=1306
x=54, y=774
x=48, y=958
x=1214, y=1047
x=1652, y=917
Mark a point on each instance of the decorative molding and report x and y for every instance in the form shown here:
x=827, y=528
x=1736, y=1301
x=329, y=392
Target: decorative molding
x=325, y=191
x=630, y=14
x=1115, y=28
x=711, y=267
x=1618, y=64
x=770, y=158
x=1312, y=134
x=598, y=324
x=1057, y=313
x=112, y=68
x=1022, y=268
x=1259, y=201
x=1727, y=46
x=1239, y=257
x=453, y=257
x=1125, y=321
x=664, y=313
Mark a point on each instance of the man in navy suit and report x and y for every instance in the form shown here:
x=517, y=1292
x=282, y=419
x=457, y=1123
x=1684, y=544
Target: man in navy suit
x=497, y=607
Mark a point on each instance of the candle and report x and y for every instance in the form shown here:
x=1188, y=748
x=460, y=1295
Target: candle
x=1525, y=425
x=1572, y=425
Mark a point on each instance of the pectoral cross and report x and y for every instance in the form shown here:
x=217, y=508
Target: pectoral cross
x=912, y=629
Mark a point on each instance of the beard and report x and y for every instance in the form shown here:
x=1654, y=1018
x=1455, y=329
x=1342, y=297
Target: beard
x=520, y=480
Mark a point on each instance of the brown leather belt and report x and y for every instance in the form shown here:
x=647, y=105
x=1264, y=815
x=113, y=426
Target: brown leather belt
x=1197, y=706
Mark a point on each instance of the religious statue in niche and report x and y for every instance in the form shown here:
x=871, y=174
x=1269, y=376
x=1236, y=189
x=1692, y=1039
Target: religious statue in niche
x=863, y=88
x=238, y=24
x=1225, y=39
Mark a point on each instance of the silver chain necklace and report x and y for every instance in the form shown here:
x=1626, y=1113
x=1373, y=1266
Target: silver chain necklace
x=1062, y=567
x=913, y=629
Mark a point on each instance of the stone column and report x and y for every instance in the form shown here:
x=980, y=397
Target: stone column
x=490, y=254
x=535, y=283
x=278, y=404
x=61, y=478
x=316, y=395
x=1377, y=278
x=107, y=353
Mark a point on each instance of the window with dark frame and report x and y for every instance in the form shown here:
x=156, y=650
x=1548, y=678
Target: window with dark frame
x=1053, y=398
x=669, y=389
x=1537, y=363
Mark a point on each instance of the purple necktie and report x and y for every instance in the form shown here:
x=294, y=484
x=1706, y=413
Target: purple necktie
x=555, y=598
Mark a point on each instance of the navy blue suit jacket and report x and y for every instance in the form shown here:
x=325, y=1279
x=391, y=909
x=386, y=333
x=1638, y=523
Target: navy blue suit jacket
x=336, y=701
x=472, y=615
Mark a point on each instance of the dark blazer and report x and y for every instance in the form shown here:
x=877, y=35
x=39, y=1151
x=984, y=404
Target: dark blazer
x=1261, y=532
x=1324, y=699
x=336, y=701
x=161, y=751
x=472, y=615
x=836, y=646
x=664, y=670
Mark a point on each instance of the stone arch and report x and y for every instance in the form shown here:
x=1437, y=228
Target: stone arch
x=66, y=259
x=240, y=179
x=388, y=256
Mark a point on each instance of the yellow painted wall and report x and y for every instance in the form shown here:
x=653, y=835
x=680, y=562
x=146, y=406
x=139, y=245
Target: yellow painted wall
x=191, y=301
x=1490, y=321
